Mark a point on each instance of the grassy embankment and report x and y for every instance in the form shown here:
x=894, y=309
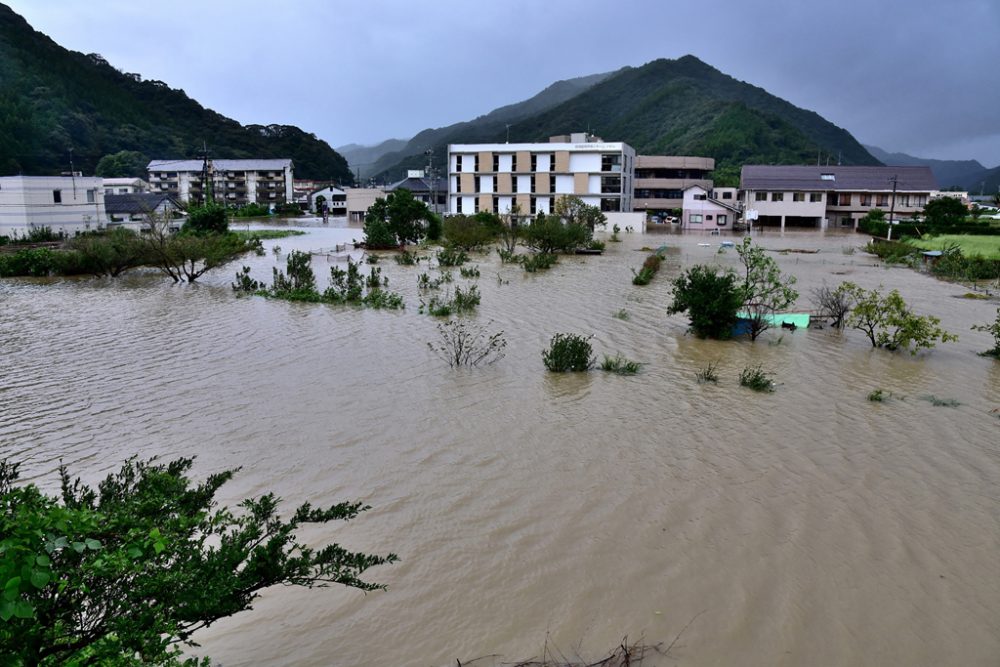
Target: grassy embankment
x=971, y=245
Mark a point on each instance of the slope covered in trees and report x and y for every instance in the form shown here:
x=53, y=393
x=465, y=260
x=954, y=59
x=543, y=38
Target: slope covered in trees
x=680, y=107
x=53, y=100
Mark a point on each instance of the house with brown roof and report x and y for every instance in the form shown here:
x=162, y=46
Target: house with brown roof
x=824, y=196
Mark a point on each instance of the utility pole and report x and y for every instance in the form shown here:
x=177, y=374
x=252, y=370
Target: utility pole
x=204, y=172
x=892, y=205
x=430, y=178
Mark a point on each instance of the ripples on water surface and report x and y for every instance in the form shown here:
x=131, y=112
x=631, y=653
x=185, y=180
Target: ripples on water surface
x=805, y=527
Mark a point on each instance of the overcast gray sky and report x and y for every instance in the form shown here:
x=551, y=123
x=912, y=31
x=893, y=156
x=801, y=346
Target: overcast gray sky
x=917, y=76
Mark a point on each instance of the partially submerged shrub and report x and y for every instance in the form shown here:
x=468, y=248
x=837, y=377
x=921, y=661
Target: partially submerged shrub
x=405, y=258
x=451, y=257
x=650, y=268
x=463, y=301
x=469, y=272
x=994, y=330
x=465, y=344
x=710, y=298
x=568, y=353
x=620, y=314
x=756, y=378
x=620, y=365
x=708, y=373
x=542, y=260
x=941, y=402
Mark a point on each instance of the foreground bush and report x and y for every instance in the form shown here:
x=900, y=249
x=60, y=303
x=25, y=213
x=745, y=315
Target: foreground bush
x=122, y=573
x=568, y=353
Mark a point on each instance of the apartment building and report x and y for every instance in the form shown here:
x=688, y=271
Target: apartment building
x=65, y=204
x=493, y=177
x=660, y=181
x=235, y=182
x=821, y=197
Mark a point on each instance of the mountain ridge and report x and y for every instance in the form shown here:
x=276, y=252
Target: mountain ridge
x=60, y=107
x=677, y=107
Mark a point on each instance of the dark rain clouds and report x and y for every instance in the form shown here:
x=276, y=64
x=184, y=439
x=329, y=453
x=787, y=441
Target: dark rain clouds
x=907, y=75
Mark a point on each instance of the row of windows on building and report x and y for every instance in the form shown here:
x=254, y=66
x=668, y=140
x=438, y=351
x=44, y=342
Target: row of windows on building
x=610, y=162
x=698, y=218
x=607, y=205
x=609, y=185
x=846, y=198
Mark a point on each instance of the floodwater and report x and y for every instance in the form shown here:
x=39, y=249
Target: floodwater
x=540, y=512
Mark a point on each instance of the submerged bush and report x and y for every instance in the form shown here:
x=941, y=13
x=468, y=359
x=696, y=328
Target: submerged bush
x=568, y=353
x=466, y=344
x=754, y=377
x=542, y=260
x=620, y=365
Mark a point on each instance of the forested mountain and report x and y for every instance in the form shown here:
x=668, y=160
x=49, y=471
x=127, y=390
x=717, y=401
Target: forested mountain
x=966, y=174
x=393, y=163
x=53, y=100
x=674, y=107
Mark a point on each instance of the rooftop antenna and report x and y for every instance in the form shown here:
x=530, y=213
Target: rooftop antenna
x=508, y=133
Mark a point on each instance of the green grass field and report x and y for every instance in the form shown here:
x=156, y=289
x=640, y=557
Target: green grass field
x=267, y=234
x=987, y=246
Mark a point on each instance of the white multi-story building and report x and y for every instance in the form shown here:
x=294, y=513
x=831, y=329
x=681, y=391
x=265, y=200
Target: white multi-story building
x=65, y=204
x=234, y=182
x=493, y=177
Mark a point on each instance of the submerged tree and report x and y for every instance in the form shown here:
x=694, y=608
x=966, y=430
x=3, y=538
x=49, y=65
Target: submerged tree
x=398, y=219
x=124, y=573
x=710, y=297
x=888, y=321
x=765, y=289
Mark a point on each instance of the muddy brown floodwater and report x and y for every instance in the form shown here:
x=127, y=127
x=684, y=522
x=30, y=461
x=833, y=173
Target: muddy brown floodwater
x=805, y=527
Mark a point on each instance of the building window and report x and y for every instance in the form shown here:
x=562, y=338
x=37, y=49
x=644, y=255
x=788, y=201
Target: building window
x=475, y=205
x=611, y=162
x=513, y=183
x=827, y=177
x=476, y=187
x=91, y=196
x=513, y=163
x=866, y=200
x=532, y=183
x=458, y=204
x=496, y=184
x=534, y=205
x=475, y=163
x=496, y=205
x=798, y=196
x=727, y=195
x=534, y=162
x=458, y=163
x=57, y=196
x=904, y=200
x=721, y=221
x=708, y=217
x=777, y=196
x=882, y=200
x=760, y=196
x=496, y=162
x=815, y=196
x=695, y=218
x=700, y=197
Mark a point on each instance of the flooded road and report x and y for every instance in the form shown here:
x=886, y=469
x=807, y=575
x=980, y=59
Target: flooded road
x=809, y=526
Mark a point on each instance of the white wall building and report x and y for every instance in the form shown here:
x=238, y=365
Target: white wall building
x=335, y=200
x=493, y=177
x=125, y=186
x=234, y=182
x=65, y=204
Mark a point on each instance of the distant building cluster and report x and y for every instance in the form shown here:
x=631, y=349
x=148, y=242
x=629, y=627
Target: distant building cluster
x=675, y=189
x=493, y=178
